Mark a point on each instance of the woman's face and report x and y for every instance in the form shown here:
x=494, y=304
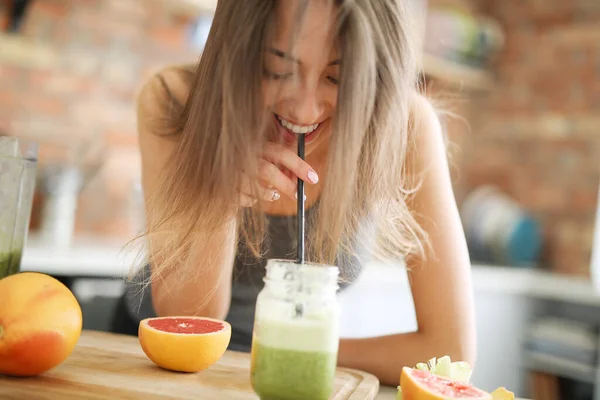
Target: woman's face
x=300, y=84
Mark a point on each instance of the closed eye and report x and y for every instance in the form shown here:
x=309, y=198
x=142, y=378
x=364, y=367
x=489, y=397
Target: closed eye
x=272, y=75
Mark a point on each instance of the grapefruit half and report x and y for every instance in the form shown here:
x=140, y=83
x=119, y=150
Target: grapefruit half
x=417, y=384
x=184, y=344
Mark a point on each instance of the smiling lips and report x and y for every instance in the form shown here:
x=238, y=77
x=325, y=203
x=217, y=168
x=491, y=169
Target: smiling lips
x=291, y=131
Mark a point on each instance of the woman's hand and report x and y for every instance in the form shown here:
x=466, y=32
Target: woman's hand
x=279, y=168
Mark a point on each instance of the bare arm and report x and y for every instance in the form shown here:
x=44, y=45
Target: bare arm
x=441, y=286
x=205, y=290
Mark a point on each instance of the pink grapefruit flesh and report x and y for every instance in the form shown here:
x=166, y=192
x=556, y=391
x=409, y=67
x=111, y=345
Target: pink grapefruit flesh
x=423, y=385
x=186, y=325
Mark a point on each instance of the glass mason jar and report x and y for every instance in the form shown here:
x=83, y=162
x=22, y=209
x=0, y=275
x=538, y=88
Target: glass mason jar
x=296, y=332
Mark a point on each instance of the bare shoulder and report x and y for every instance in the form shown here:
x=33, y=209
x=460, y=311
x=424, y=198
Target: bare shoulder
x=160, y=105
x=163, y=96
x=427, y=123
x=429, y=139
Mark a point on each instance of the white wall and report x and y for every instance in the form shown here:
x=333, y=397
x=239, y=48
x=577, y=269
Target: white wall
x=378, y=303
x=501, y=323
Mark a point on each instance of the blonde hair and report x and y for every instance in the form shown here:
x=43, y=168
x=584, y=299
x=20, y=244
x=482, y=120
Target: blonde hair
x=221, y=132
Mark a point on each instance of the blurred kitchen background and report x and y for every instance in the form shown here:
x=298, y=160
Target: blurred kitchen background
x=519, y=86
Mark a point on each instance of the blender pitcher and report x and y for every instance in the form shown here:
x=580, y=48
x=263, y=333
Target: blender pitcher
x=18, y=160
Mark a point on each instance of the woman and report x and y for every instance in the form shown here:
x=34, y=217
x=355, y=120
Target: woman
x=218, y=147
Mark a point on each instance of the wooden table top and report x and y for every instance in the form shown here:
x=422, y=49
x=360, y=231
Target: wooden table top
x=110, y=366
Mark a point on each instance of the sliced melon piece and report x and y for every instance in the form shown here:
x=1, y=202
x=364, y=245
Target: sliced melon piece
x=443, y=367
x=458, y=370
x=422, y=367
x=461, y=371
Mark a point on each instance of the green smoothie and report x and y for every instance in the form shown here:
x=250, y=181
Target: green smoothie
x=282, y=374
x=9, y=263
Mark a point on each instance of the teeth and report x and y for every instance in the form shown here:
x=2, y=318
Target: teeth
x=297, y=128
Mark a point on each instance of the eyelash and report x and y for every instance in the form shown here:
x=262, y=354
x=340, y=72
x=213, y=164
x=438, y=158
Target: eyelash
x=274, y=76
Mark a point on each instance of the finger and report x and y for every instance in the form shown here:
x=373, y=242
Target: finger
x=247, y=201
x=277, y=179
x=279, y=154
x=250, y=201
x=267, y=194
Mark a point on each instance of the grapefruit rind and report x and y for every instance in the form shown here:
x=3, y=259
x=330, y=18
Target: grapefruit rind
x=183, y=352
x=410, y=384
x=458, y=371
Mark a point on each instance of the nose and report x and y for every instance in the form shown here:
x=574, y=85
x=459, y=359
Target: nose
x=307, y=105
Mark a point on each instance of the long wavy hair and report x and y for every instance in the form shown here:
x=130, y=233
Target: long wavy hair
x=222, y=128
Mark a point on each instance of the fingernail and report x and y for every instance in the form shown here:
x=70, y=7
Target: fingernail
x=296, y=196
x=313, y=177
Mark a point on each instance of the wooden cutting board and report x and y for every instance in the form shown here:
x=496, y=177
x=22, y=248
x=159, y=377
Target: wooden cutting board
x=109, y=366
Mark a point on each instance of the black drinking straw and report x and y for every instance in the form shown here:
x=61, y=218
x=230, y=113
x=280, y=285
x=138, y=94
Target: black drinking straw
x=300, y=202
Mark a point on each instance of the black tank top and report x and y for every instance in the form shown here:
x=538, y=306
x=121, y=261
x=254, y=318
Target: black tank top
x=248, y=275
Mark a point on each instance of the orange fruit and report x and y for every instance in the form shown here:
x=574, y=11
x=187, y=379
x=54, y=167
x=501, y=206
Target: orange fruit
x=184, y=344
x=423, y=385
x=40, y=323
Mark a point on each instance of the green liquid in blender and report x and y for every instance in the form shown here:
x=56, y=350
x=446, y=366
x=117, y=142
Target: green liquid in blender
x=9, y=263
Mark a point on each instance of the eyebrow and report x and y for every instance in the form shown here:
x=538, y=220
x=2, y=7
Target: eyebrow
x=283, y=55
x=287, y=56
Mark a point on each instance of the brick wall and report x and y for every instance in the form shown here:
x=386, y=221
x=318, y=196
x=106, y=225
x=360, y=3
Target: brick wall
x=79, y=89
x=537, y=135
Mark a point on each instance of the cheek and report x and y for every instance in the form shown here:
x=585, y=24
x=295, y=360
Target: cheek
x=332, y=98
x=270, y=93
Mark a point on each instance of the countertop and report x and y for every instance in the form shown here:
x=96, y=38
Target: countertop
x=387, y=393
x=110, y=366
